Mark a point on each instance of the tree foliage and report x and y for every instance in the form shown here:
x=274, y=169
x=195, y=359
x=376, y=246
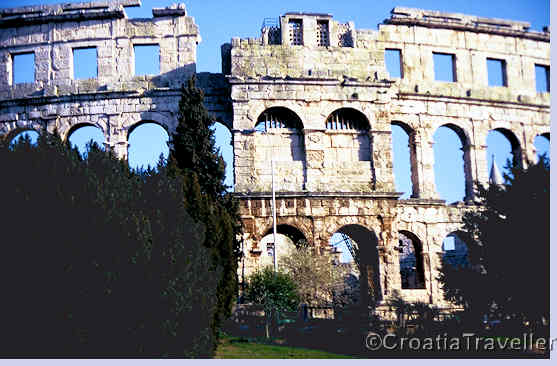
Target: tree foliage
x=508, y=240
x=196, y=160
x=319, y=281
x=99, y=260
x=272, y=290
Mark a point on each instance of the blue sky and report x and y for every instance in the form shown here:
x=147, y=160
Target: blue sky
x=219, y=21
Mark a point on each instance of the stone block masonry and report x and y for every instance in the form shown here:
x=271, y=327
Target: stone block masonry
x=342, y=180
x=310, y=93
x=116, y=99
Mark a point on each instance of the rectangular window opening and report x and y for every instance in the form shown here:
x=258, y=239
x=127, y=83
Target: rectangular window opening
x=323, y=33
x=23, y=68
x=147, y=59
x=542, y=78
x=444, y=67
x=496, y=72
x=85, y=63
x=393, y=62
x=295, y=32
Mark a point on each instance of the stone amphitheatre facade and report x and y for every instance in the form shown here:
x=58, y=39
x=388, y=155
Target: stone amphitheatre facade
x=311, y=94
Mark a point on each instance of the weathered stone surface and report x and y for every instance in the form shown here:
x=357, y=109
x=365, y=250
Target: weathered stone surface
x=348, y=175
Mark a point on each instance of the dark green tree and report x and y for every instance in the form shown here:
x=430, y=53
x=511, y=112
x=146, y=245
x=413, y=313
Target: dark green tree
x=277, y=292
x=99, y=261
x=195, y=158
x=508, y=239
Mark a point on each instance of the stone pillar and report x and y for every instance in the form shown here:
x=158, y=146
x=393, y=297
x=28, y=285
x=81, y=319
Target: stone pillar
x=432, y=266
x=414, y=171
x=315, y=160
x=424, y=177
x=244, y=157
x=469, y=177
x=382, y=160
x=479, y=153
x=117, y=139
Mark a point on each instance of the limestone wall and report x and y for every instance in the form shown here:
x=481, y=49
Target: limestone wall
x=348, y=182
x=314, y=80
x=53, y=32
x=116, y=99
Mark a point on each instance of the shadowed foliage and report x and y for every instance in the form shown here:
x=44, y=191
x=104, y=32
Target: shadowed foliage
x=508, y=239
x=195, y=159
x=98, y=260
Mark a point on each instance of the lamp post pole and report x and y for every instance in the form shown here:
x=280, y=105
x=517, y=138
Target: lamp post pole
x=274, y=214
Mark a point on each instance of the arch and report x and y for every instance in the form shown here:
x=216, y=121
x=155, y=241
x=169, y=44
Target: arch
x=542, y=145
x=411, y=260
x=354, y=146
x=142, y=122
x=290, y=231
x=15, y=135
x=460, y=132
x=404, y=159
x=347, y=119
x=410, y=131
x=81, y=141
x=153, y=143
x=455, y=249
x=278, y=117
x=223, y=141
x=31, y=126
x=496, y=140
x=453, y=184
x=365, y=241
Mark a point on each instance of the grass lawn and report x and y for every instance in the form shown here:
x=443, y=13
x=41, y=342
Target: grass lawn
x=234, y=347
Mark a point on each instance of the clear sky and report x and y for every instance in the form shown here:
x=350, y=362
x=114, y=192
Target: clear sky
x=219, y=21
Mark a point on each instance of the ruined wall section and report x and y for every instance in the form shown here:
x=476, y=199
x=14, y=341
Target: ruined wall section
x=469, y=103
x=313, y=81
x=116, y=99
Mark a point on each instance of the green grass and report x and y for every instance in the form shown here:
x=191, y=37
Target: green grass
x=234, y=347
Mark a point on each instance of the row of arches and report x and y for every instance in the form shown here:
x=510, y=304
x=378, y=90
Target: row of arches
x=339, y=119
x=452, y=166
x=146, y=141
x=412, y=262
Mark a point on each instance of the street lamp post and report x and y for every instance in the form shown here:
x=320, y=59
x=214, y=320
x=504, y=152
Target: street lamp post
x=274, y=213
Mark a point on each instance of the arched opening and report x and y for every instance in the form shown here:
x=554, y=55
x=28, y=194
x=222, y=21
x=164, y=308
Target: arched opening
x=348, y=136
x=542, y=145
x=279, y=140
x=80, y=135
x=503, y=145
x=357, y=248
x=223, y=141
x=278, y=117
x=147, y=141
x=288, y=238
x=455, y=250
x=449, y=151
x=32, y=135
x=403, y=156
x=411, y=260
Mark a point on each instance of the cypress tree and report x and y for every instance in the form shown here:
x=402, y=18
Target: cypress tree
x=194, y=157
